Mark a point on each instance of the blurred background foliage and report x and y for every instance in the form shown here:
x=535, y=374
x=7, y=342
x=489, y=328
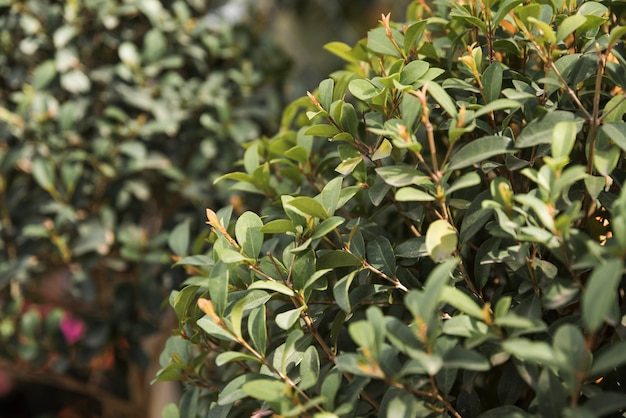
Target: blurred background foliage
x=115, y=117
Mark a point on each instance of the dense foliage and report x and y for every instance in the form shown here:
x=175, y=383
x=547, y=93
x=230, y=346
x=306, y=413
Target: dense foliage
x=114, y=119
x=443, y=233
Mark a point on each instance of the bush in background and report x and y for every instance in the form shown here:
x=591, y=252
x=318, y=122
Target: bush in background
x=114, y=119
x=443, y=231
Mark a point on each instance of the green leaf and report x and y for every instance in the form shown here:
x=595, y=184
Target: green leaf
x=309, y=368
x=278, y=226
x=302, y=269
x=550, y=394
x=331, y=194
x=461, y=301
x=218, y=286
x=467, y=180
x=441, y=97
x=378, y=42
x=362, y=333
x=341, y=291
x=230, y=356
x=233, y=392
x=503, y=10
x=380, y=256
x=411, y=194
x=608, y=358
x=325, y=131
x=413, y=71
x=479, y=150
x=539, y=131
x=401, y=175
x=492, y=81
x=44, y=174
x=568, y=26
x=325, y=90
x=545, y=31
x=495, y=105
x=214, y=330
x=564, y=137
x=606, y=404
x=285, y=320
x=530, y=351
x=44, y=74
x=170, y=411
x=462, y=358
x=309, y=206
x=363, y=89
x=441, y=240
x=248, y=233
x=272, y=286
x=383, y=151
x=617, y=34
x=341, y=50
x=616, y=132
x=257, y=329
x=327, y=226
x=183, y=300
x=601, y=293
x=178, y=240
x=337, y=258
x=411, y=34
x=265, y=389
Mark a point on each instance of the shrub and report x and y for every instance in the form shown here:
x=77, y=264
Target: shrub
x=443, y=233
x=115, y=117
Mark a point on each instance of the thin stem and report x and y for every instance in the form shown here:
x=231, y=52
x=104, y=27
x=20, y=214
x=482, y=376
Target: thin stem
x=393, y=281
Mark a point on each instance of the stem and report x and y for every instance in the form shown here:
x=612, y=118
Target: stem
x=594, y=119
x=395, y=282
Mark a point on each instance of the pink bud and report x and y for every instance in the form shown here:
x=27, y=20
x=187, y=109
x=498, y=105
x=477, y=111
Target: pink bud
x=73, y=328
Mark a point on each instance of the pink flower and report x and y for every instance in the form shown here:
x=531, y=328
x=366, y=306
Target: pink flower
x=73, y=328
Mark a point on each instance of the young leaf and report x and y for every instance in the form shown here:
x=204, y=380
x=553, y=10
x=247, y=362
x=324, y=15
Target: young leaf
x=441, y=240
x=248, y=233
x=285, y=320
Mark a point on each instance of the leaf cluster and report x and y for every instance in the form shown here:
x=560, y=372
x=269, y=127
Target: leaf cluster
x=443, y=231
x=113, y=118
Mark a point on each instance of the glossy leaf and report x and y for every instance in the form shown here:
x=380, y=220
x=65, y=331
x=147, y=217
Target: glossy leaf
x=480, y=150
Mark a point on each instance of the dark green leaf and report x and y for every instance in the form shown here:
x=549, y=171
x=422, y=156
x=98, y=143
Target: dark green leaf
x=479, y=150
x=492, y=81
x=600, y=293
x=380, y=255
x=539, y=131
x=257, y=329
x=609, y=357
